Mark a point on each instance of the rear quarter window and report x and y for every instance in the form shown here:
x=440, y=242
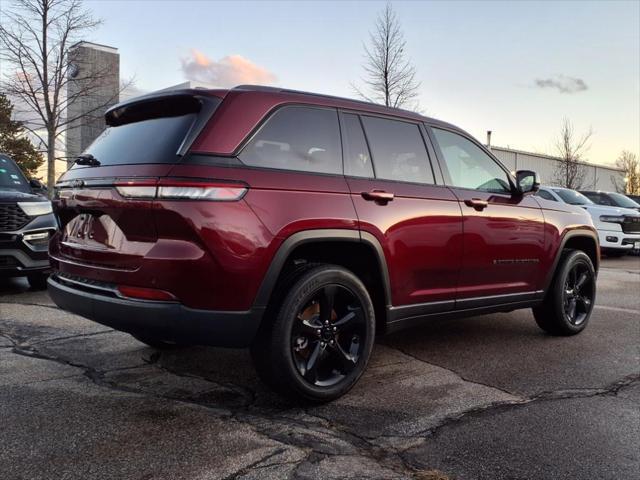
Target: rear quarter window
x=297, y=138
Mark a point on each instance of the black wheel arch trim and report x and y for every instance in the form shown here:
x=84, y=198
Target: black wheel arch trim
x=315, y=236
x=563, y=243
x=404, y=316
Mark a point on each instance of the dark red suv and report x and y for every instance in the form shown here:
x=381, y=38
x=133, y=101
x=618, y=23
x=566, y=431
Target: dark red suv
x=302, y=225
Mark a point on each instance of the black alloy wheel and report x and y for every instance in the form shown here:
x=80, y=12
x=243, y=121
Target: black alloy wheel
x=317, y=343
x=579, y=293
x=328, y=335
x=570, y=298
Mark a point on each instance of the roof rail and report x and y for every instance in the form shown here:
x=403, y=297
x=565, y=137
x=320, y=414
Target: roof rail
x=263, y=88
x=257, y=88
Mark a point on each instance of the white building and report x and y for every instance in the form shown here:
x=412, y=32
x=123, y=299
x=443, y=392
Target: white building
x=597, y=177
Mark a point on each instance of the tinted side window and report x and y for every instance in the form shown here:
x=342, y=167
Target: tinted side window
x=11, y=178
x=297, y=138
x=469, y=166
x=398, y=150
x=357, y=161
x=546, y=195
x=604, y=199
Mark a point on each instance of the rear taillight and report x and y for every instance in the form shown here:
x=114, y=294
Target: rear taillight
x=137, y=188
x=178, y=189
x=220, y=191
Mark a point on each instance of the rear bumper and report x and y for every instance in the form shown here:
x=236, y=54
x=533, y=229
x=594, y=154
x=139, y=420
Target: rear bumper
x=164, y=320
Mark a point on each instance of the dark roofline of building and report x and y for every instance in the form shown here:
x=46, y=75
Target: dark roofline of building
x=99, y=46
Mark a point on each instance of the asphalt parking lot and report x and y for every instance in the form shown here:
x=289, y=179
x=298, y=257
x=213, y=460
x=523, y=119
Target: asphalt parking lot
x=489, y=397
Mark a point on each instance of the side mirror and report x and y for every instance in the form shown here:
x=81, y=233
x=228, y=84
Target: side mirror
x=38, y=187
x=36, y=184
x=527, y=181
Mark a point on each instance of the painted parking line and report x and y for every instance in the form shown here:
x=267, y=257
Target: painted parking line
x=618, y=309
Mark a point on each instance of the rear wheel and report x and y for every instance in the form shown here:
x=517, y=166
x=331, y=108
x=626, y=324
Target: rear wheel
x=38, y=281
x=569, y=302
x=319, y=343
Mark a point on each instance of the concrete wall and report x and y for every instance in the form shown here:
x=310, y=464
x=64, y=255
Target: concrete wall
x=89, y=62
x=597, y=177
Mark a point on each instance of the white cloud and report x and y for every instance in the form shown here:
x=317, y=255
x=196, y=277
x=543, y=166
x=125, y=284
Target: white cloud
x=227, y=72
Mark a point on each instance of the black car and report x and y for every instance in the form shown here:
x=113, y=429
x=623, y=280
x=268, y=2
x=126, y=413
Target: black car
x=26, y=224
x=611, y=199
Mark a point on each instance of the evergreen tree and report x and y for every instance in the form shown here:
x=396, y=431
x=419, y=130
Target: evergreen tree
x=15, y=143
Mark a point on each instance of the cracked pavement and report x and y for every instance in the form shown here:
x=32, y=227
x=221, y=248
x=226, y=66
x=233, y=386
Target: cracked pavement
x=489, y=397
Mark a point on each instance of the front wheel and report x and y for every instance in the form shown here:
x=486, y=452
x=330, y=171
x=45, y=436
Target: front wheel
x=319, y=343
x=568, y=304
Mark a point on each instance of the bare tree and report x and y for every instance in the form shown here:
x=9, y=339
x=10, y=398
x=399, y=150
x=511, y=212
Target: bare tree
x=629, y=164
x=389, y=77
x=36, y=40
x=570, y=171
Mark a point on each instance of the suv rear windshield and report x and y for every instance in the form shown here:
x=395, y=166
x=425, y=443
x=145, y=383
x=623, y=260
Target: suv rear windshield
x=11, y=178
x=150, y=132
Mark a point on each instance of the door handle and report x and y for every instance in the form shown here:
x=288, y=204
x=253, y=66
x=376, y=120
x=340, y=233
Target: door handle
x=477, y=204
x=379, y=196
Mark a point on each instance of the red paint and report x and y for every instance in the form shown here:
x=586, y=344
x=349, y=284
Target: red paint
x=215, y=254
x=508, y=228
x=421, y=234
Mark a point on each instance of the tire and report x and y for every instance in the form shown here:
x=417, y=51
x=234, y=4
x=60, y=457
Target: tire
x=155, y=342
x=568, y=304
x=318, y=341
x=38, y=281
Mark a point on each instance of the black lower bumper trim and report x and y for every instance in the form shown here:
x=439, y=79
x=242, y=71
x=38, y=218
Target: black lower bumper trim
x=162, y=320
x=16, y=263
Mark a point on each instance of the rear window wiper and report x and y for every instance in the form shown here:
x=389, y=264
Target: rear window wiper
x=88, y=159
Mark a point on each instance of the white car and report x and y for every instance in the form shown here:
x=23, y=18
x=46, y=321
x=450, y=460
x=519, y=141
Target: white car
x=618, y=228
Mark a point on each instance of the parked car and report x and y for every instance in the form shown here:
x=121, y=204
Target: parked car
x=618, y=228
x=635, y=198
x=611, y=199
x=302, y=225
x=26, y=225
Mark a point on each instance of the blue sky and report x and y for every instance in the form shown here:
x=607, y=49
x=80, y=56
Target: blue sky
x=478, y=61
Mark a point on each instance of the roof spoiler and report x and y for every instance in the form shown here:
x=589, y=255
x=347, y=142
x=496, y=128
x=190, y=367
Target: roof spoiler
x=160, y=104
